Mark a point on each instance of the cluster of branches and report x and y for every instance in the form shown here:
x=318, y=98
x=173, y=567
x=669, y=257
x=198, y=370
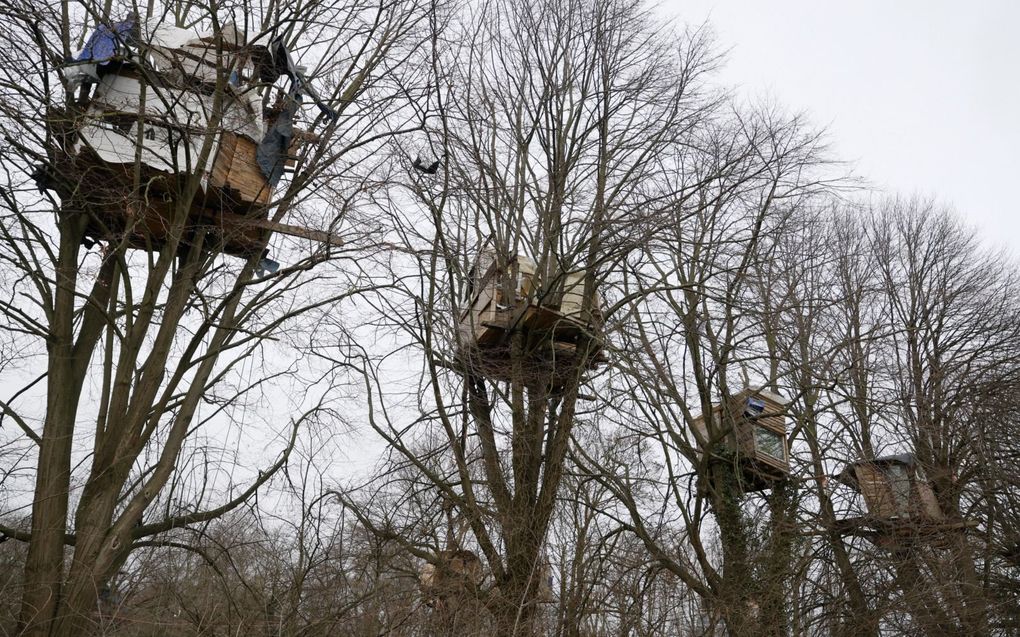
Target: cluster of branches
x=171, y=465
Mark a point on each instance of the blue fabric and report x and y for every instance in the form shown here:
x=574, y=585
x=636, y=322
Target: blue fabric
x=754, y=407
x=105, y=42
x=267, y=266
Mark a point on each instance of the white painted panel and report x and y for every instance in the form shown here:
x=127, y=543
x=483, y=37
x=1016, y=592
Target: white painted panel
x=573, y=294
x=526, y=271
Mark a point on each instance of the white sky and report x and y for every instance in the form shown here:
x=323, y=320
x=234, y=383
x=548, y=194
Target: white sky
x=921, y=96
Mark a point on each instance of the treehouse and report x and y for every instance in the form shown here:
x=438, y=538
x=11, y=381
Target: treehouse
x=546, y=592
x=559, y=320
x=173, y=141
x=901, y=505
x=751, y=426
x=457, y=573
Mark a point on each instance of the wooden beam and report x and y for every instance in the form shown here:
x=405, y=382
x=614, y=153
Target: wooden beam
x=296, y=231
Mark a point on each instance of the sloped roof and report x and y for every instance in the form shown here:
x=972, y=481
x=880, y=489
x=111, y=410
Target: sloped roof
x=848, y=475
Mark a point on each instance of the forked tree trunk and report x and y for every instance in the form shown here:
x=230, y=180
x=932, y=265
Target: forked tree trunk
x=44, y=566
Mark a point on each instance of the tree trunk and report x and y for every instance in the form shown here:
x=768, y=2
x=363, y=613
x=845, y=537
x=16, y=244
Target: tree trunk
x=44, y=567
x=736, y=601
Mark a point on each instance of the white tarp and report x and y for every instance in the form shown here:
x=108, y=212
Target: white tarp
x=188, y=110
x=163, y=34
x=162, y=148
x=176, y=120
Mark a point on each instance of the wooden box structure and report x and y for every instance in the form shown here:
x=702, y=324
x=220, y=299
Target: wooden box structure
x=560, y=320
x=752, y=426
x=894, y=488
x=170, y=106
x=457, y=573
x=901, y=506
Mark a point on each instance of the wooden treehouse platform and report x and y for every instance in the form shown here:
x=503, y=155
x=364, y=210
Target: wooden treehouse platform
x=902, y=509
x=559, y=340
x=148, y=112
x=455, y=574
x=146, y=218
x=897, y=534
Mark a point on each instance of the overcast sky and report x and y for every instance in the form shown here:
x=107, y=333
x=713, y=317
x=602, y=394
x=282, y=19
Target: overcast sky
x=922, y=96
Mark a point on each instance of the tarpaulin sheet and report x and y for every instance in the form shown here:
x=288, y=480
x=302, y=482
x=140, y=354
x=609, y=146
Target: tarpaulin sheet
x=105, y=42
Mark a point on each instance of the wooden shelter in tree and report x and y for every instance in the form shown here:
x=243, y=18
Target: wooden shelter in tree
x=894, y=488
x=559, y=320
x=751, y=425
x=901, y=505
x=457, y=573
x=162, y=106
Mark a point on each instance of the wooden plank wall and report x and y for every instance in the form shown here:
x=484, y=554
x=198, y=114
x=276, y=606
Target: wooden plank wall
x=237, y=171
x=876, y=490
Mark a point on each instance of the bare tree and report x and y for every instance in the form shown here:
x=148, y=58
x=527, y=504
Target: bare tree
x=696, y=336
x=128, y=342
x=953, y=348
x=554, y=131
x=533, y=253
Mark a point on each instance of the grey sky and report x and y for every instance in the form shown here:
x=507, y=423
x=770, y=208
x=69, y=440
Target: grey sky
x=922, y=96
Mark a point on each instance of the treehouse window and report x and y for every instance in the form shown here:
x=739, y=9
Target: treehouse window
x=770, y=443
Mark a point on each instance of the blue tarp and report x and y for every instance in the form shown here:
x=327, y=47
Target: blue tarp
x=106, y=41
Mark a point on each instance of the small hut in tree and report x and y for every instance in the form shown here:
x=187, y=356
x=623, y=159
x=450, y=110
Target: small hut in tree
x=557, y=315
x=894, y=488
x=751, y=427
x=171, y=139
x=457, y=573
x=901, y=505
x=450, y=582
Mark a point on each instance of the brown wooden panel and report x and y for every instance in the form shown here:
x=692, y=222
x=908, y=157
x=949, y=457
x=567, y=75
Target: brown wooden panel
x=245, y=175
x=221, y=166
x=236, y=171
x=876, y=490
x=927, y=503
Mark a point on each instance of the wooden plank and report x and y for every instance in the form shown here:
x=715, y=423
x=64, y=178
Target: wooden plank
x=147, y=224
x=221, y=166
x=294, y=231
x=245, y=176
x=876, y=490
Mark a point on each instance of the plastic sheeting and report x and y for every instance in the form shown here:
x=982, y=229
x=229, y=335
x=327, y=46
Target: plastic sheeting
x=188, y=110
x=104, y=45
x=271, y=154
x=176, y=120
